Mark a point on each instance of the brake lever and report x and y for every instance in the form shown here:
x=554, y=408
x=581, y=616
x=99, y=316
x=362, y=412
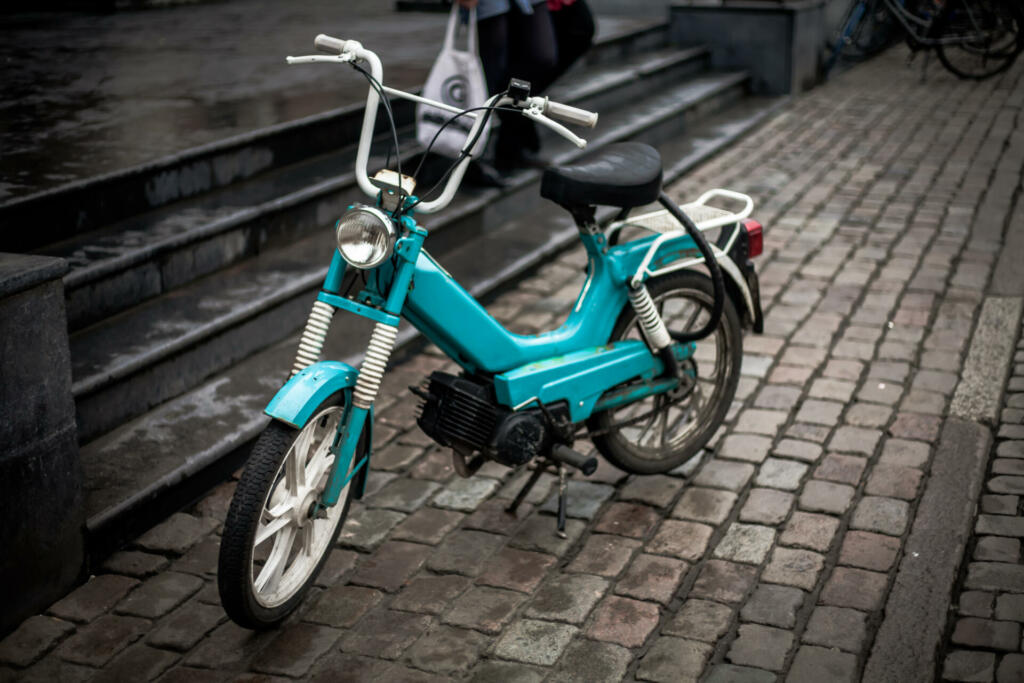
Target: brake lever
x=535, y=115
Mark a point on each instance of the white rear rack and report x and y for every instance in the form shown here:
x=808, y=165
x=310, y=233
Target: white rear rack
x=705, y=217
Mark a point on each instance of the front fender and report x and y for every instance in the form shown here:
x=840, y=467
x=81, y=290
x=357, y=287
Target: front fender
x=295, y=402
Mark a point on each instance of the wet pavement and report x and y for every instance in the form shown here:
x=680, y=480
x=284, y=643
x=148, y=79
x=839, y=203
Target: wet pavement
x=823, y=536
x=87, y=94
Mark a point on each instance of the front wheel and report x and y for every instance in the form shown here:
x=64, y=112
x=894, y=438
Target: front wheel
x=661, y=432
x=271, y=550
x=985, y=37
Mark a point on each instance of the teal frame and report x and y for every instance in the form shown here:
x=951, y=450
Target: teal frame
x=574, y=362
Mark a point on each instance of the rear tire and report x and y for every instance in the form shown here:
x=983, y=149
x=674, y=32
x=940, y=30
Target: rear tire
x=270, y=551
x=681, y=427
x=999, y=30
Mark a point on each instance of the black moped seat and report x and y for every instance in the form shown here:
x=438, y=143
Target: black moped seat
x=625, y=174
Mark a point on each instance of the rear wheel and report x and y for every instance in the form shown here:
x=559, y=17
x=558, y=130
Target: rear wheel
x=872, y=33
x=659, y=433
x=271, y=550
x=989, y=37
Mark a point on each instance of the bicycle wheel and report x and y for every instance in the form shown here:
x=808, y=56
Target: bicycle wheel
x=661, y=432
x=271, y=551
x=986, y=37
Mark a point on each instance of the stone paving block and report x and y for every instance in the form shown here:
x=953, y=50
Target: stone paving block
x=176, y=534
x=484, y=609
x=762, y=647
x=534, y=642
x=135, y=563
x=705, y=505
x=50, y=669
x=159, y=595
x=567, y=597
x=341, y=606
x=868, y=415
x=809, y=530
x=1000, y=525
x=773, y=605
x=757, y=421
x=395, y=456
x=229, y=647
x=538, y=534
x=766, y=506
x=295, y=648
x=856, y=588
x=391, y=566
x=1006, y=484
x=749, y=543
x=976, y=604
x=797, y=450
x=627, y=519
x=489, y=671
x=1011, y=668
x=724, y=474
x=492, y=517
x=893, y=481
x=657, y=490
x=186, y=626
x=447, y=650
x=813, y=664
x=903, y=453
x=1011, y=466
x=856, y=440
x=915, y=426
x=823, y=496
x=988, y=634
x=791, y=374
x=33, y=638
x=819, y=412
x=832, y=389
x=653, y=578
x=781, y=474
x=465, y=495
x=403, y=494
x=869, y=551
x=700, y=620
x=1011, y=449
x=995, y=576
x=623, y=621
x=591, y=661
x=685, y=540
x=731, y=673
x=967, y=665
x=385, y=633
x=745, y=447
x=366, y=528
x=435, y=464
x=342, y=667
x=884, y=515
x=1009, y=607
x=464, y=552
x=201, y=559
x=93, y=598
x=427, y=525
x=603, y=555
x=793, y=567
x=514, y=569
x=836, y=627
x=843, y=369
x=429, y=594
x=723, y=581
x=98, y=643
x=924, y=402
x=775, y=395
x=673, y=659
x=808, y=432
x=137, y=663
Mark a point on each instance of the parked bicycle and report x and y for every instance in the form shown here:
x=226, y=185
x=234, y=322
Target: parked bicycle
x=973, y=39
x=626, y=366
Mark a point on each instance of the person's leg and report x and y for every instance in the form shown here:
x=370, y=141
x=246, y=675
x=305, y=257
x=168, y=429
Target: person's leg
x=574, y=33
x=492, y=38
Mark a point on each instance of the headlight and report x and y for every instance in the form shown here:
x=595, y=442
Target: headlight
x=365, y=236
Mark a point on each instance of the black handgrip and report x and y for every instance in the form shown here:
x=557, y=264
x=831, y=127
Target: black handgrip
x=717, y=283
x=585, y=464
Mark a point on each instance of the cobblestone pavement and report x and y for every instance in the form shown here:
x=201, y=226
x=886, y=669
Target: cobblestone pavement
x=789, y=551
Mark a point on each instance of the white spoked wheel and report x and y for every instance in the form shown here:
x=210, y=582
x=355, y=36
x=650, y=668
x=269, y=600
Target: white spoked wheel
x=272, y=549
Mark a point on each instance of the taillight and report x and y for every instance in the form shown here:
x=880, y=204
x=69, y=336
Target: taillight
x=755, y=239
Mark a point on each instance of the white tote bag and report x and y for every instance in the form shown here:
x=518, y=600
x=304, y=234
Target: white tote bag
x=457, y=79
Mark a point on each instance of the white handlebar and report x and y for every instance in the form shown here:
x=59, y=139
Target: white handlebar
x=536, y=107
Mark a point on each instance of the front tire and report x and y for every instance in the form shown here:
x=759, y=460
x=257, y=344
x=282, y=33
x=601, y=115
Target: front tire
x=271, y=551
x=993, y=37
x=677, y=427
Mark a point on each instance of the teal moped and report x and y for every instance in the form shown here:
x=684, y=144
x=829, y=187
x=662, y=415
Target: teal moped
x=645, y=365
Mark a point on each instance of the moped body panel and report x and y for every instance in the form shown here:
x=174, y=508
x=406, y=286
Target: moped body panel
x=580, y=378
x=295, y=402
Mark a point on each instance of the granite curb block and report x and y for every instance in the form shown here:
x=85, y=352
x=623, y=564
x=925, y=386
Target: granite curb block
x=906, y=646
x=985, y=370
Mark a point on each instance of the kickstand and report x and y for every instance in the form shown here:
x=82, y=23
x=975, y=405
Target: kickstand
x=562, y=495
x=527, y=487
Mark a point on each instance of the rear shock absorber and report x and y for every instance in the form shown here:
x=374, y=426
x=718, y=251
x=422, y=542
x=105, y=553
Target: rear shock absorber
x=654, y=329
x=312, y=342
x=371, y=372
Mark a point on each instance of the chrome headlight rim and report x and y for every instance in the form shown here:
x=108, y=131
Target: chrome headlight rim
x=381, y=219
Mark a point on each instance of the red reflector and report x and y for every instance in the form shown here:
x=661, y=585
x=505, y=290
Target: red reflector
x=754, y=237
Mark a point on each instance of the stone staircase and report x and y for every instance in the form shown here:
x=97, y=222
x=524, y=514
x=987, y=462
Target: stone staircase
x=190, y=278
